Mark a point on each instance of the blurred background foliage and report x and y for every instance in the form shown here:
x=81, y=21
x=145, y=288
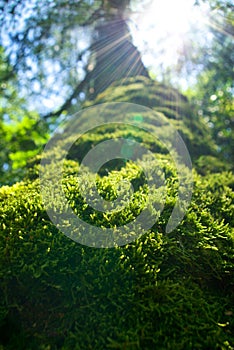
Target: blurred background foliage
x=49, y=58
x=22, y=133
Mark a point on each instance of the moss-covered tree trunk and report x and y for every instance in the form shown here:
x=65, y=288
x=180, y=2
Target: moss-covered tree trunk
x=162, y=291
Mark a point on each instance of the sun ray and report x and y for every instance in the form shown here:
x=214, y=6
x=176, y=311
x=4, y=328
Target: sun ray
x=162, y=32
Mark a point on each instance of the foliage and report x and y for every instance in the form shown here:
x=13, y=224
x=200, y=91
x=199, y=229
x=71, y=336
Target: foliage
x=22, y=134
x=48, y=45
x=213, y=92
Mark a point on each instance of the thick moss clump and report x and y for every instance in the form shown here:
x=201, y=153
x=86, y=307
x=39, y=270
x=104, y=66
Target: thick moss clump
x=161, y=291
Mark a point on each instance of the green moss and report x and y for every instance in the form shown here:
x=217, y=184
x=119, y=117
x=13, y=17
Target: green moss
x=162, y=291
x=169, y=101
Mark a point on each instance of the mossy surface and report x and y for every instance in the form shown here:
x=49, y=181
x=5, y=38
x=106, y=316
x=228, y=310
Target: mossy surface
x=171, y=103
x=162, y=291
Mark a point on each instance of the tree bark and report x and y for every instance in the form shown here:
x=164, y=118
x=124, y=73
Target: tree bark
x=115, y=58
x=115, y=55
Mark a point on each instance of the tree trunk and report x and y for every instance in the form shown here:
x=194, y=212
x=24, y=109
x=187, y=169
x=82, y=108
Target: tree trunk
x=115, y=55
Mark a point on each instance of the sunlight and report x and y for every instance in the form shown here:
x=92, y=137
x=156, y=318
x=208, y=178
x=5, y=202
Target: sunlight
x=163, y=27
x=169, y=16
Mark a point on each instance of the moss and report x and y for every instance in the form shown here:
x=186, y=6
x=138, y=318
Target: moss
x=210, y=164
x=162, y=291
x=174, y=105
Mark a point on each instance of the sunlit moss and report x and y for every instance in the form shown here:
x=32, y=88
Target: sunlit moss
x=162, y=291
